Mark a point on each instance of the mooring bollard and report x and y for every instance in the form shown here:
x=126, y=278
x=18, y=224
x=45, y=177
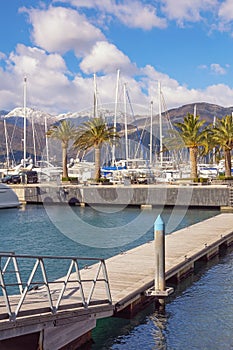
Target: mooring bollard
x=159, y=290
x=159, y=241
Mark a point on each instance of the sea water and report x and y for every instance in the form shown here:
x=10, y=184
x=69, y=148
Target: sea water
x=198, y=316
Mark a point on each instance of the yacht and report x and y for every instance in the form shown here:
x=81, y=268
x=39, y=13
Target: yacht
x=8, y=198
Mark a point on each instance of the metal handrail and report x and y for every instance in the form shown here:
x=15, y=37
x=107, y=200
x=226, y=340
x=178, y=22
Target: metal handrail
x=27, y=287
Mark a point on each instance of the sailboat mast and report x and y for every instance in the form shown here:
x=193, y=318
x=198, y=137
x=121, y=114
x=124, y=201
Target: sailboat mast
x=160, y=126
x=95, y=98
x=34, y=140
x=151, y=123
x=7, y=146
x=25, y=121
x=46, y=139
x=214, y=149
x=195, y=111
x=115, y=116
x=126, y=127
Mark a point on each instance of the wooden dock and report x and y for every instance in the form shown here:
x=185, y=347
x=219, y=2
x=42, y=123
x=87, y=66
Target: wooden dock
x=130, y=275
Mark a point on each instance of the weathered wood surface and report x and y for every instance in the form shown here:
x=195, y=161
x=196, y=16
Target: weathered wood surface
x=132, y=272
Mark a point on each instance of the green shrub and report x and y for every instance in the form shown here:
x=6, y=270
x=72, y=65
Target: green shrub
x=223, y=177
x=103, y=180
x=203, y=180
x=65, y=179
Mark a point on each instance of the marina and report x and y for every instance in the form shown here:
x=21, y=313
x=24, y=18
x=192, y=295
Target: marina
x=116, y=193
x=208, y=248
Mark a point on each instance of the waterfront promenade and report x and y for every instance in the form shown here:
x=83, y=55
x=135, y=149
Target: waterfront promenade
x=130, y=275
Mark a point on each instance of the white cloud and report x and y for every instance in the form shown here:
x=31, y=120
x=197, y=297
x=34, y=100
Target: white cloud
x=214, y=94
x=202, y=66
x=105, y=57
x=226, y=11
x=47, y=77
x=132, y=13
x=50, y=90
x=2, y=56
x=31, y=60
x=136, y=15
x=59, y=29
x=217, y=68
x=187, y=10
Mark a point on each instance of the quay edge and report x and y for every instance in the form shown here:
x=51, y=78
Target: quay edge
x=145, y=196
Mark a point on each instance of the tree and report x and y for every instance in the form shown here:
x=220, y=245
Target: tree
x=222, y=135
x=93, y=134
x=63, y=132
x=191, y=135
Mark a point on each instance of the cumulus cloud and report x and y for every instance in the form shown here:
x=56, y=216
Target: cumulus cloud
x=50, y=90
x=176, y=94
x=217, y=68
x=134, y=14
x=2, y=56
x=32, y=60
x=106, y=58
x=59, y=29
x=226, y=11
x=137, y=15
x=187, y=10
x=47, y=77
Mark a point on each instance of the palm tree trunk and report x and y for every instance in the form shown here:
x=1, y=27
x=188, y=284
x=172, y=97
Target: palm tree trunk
x=64, y=161
x=193, y=161
x=97, y=163
x=227, y=156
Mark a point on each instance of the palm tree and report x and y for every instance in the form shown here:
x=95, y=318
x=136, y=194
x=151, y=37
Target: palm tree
x=222, y=135
x=63, y=132
x=191, y=135
x=93, y=134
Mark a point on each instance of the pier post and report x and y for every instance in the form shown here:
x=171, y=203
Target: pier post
x=159, y=290
x=159, y=241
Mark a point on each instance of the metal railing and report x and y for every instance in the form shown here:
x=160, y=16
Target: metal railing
x=22, y=279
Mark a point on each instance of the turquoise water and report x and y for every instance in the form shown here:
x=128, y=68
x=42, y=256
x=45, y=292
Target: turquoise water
x=199, y=316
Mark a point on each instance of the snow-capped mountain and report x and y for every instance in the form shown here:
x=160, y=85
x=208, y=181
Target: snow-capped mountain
x=37, y=115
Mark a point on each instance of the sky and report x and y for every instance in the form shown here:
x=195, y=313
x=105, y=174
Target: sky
x=186, y=46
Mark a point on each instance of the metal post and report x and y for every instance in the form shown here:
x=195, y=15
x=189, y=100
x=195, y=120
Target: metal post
x=159, y=239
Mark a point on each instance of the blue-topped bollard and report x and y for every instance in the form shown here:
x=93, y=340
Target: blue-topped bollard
x=159, y=290
x=159, y=241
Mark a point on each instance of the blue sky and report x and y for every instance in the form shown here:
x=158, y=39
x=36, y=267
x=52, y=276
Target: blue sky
x=186, y=45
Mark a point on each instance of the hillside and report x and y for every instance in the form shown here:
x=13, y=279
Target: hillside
x=205, y=110
x=15, y=125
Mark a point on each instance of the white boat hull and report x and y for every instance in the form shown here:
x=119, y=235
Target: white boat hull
x=8, y=198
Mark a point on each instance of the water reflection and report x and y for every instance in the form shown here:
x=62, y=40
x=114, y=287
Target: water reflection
x=198, y=316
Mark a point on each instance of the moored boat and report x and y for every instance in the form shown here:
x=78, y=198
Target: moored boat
x=8, y=198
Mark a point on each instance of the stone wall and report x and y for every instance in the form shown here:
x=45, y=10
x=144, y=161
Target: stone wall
x=131, y=195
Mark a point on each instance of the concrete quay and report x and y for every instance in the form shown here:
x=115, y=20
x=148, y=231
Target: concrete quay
x=146, y=196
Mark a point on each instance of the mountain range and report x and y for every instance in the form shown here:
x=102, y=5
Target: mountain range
x=15, y=121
